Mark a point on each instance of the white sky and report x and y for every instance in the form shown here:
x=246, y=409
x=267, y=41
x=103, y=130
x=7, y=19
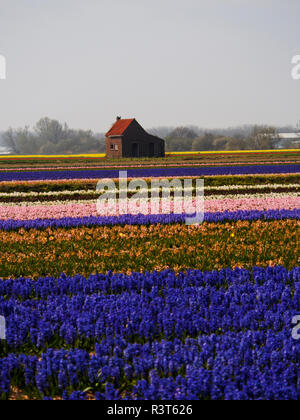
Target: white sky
x=211, y=63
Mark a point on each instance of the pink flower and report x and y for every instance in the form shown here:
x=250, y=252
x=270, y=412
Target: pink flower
x=58, y=211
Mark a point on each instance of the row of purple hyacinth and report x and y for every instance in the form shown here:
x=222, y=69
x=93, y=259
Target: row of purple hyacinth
x=248, y=365
x=170, y=309
x=199, y=335
x=116, y=283
x=151, y=172
x=140, y=219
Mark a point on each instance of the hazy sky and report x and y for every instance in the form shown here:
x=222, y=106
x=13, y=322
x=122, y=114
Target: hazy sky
x=211, y=63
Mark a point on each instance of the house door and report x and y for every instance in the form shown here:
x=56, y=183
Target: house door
x=151, y=149
x=135, y=150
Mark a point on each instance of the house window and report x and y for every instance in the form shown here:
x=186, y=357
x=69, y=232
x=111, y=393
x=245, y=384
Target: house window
x=114, y=147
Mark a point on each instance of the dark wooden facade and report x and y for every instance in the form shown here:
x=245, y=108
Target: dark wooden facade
x=127, y=138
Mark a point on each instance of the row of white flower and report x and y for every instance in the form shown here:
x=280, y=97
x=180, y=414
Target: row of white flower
x=207, y=199
x=96, y=193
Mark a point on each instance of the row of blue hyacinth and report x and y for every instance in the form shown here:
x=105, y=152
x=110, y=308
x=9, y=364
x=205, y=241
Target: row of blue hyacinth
x=113, y=283
x=153, y=219
x=196, y=335
x=245, y=365
x=162, y=308
x=150, y=172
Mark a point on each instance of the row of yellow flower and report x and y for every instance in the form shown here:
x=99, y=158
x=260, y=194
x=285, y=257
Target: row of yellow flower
x=86, y=250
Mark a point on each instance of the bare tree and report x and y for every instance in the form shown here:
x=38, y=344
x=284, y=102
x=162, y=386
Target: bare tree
x=9, y=140
x=51, y=131
x=262, y=137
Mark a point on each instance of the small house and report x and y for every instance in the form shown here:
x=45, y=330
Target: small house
x=127, y=138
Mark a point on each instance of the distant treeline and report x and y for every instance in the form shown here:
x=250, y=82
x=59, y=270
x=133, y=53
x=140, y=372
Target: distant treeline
x=254, y=138
x=51, y=137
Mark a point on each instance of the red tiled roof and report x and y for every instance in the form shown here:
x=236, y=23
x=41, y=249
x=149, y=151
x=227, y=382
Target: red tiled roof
x=119, y=127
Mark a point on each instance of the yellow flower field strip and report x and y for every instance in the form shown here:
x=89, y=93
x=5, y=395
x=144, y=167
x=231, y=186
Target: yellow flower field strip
x=235, y=152
x=97, y=155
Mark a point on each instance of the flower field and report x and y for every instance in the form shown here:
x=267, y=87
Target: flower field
x=143, y=306
x=149, y=172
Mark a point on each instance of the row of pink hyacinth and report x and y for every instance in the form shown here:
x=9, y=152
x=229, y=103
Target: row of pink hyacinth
x=173, y=206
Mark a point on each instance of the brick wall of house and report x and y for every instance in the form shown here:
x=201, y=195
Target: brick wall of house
x=113, y=153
